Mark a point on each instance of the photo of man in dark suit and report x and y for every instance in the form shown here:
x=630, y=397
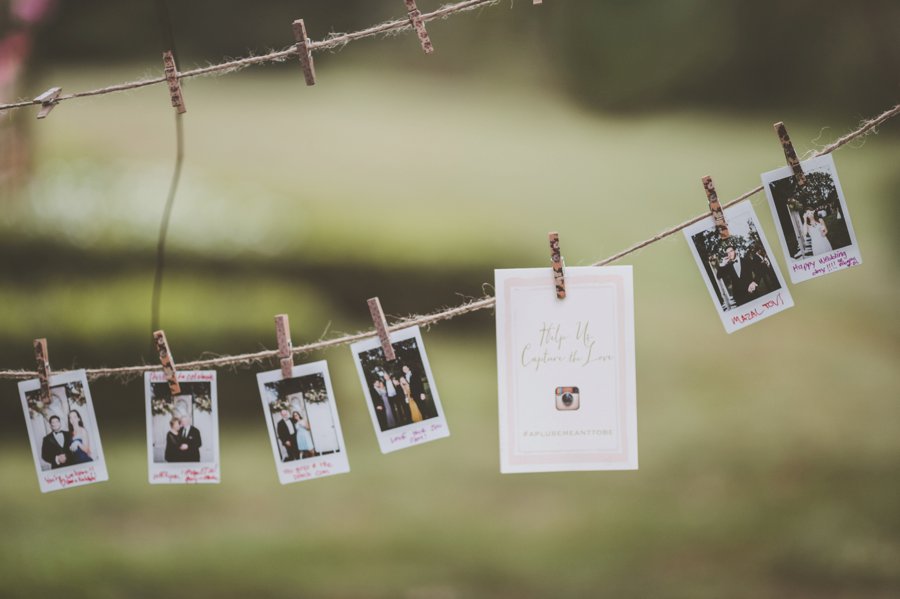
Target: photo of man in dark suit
x=189, y=442
x=743, y=276
x=287, y=434
x=55, y=447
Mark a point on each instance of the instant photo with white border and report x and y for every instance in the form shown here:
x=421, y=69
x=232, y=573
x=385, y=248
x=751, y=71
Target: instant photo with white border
x=566, y=370
x=394, y=398
x=70, y=455
x=817, y=236
x=182, y=431
x=749, y=289
x=310, y=444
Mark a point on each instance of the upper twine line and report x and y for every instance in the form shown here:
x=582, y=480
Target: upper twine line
x=334, y=41
x=484, y=303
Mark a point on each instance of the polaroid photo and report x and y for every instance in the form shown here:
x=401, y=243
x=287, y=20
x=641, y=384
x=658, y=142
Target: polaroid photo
x=402, y=397
x=182, y=429
x=65, y=440
x=740, y=272
x=816, y=234
x=303, y=423
x=566, y=370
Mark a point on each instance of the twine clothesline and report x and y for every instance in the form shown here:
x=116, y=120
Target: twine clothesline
x=127, y=372
x=333, y=42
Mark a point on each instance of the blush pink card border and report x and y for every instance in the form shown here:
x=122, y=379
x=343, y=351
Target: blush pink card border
x=516, y=459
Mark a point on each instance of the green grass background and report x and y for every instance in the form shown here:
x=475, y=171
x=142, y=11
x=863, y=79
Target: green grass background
x=769, y=457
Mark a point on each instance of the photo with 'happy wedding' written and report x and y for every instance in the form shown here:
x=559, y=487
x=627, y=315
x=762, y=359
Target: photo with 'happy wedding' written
x=816, y=233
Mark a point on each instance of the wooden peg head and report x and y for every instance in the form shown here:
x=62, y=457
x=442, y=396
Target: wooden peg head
x=167, y=361
x=381, y=327
x=285, y=347
x=789, y=153
x=174, y=83
x=557, y=264
x=715, y=208
x=415, y=17
x=306, y=59
x=42, y=360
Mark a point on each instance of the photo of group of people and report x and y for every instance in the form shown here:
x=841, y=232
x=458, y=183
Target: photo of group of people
x=182, y=429
x=401, y=392
x=63, y=430
x=811, y=217
x=740, y=273
x=303, y=423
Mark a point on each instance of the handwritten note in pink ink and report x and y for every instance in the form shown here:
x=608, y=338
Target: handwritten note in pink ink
x=812, y=219
x=566, y=372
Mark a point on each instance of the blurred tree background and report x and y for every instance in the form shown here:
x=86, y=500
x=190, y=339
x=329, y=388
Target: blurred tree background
x=768, y=457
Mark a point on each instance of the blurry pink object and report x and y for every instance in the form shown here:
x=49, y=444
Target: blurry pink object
x=31, y=11
x=14, y=49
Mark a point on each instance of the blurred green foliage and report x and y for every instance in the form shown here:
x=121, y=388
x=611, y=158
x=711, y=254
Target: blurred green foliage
x=623, y=55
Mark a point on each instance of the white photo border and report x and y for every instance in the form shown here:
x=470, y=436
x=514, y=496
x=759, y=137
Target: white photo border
x=415, y=433
x=768, y=305
x=75, y=475
x=313, y=467
x=184, y=472
x=806, y=268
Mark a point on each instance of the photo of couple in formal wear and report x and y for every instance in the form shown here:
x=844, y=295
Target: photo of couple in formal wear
x=812, y=218
x=182, y=429
x=740, y=272
x=300, y=410
x=303, y=423
x=401, y=392
x=62, y=427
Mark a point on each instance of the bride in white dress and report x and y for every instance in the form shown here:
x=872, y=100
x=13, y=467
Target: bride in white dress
x=817, y=232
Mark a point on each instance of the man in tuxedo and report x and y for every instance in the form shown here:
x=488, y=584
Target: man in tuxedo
x=417, y=389
x=55, y=447
x=189, y=442
x=742, y=275
x=287, y=434
x=397, y=401
x=383, y=410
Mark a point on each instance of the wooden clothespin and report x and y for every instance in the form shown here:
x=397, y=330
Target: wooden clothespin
x=415, y=17
x=556, y=261
x=306, y=59
x=790, y=154
x=285, y=347
x=381, y=327
x=174, y=83
x=43, y=368
x=167, y=361
x=48, y=101
x=715, y=208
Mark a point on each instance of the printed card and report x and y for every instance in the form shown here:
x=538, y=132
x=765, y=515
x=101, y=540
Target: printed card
x=815, y=228
x=182, y=429
x=566, y=371
x=303, y=423
x=740, y=273
x=402, y=398
x=65, y=440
